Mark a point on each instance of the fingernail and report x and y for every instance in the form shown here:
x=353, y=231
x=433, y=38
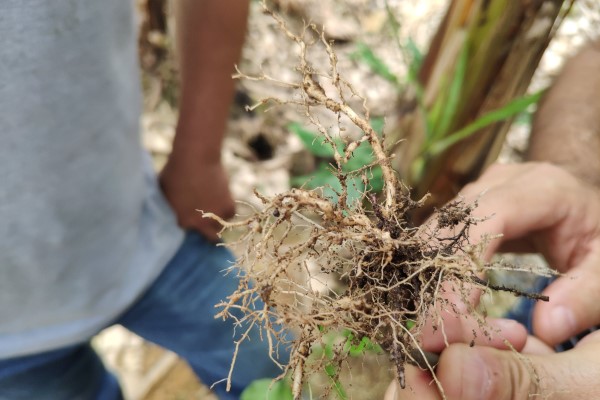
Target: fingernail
x=563, y=322
x=476, y=376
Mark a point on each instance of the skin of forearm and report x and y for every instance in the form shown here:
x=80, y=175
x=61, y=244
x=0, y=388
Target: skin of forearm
x=566, y=128
x=210, y=36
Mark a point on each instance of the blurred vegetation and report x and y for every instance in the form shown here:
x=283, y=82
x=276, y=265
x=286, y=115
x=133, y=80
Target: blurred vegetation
x=459, y=99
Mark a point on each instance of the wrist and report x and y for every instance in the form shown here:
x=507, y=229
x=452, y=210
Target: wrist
x=199, y=145
x=190, y=161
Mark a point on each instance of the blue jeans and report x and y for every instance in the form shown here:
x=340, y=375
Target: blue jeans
x=177, y=313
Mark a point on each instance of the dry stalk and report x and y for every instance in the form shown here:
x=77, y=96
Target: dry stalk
x=392, y=271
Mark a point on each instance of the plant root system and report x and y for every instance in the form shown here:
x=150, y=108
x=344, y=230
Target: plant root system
x=394, y=275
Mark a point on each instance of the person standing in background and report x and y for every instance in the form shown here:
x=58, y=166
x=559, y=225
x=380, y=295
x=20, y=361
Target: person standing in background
x=90, y=237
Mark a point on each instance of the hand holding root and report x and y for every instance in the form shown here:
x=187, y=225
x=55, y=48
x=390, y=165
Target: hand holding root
x=484, y=373
x=539, y=208
x=393, y=271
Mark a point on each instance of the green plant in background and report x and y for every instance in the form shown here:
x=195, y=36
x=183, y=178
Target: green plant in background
x=365, y=54
x=413, y=58
x=440, y=117
x=267, y=389
x=360, y=347
x=324, y=176
x=332, y=370
x=516, y=107
x=345, y=341
x=439, y=135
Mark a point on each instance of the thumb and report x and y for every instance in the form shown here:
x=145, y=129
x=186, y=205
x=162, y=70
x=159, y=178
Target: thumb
x=483, y=373
x=573, y=305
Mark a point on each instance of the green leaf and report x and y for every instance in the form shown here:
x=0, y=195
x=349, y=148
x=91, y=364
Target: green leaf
x=375, y=178
x=394, y=24
x=325, y=175
x=524, y=118
x=364, y=54
x=454, y=91
x=432, y=116
x=321, y=177
x=339, y=389
x=359, y=349
x=416, y=60
x=377, y=123
x=325, y=178
x=363, y=155
x=410, y=51
x=266, y=389
x=511, y=109
x=315, y=142
x=332, y=372
x=410, y=324
x=365, y=345
x=417, y=168
x=298, y=181
x=348, y=344
x=355, y=190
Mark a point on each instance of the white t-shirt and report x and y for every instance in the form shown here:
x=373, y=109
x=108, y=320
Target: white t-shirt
x=84, y=228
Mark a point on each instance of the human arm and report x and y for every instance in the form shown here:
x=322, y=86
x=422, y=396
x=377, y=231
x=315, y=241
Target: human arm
x=566, y=127
x=566, y=132
x=210, y=35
